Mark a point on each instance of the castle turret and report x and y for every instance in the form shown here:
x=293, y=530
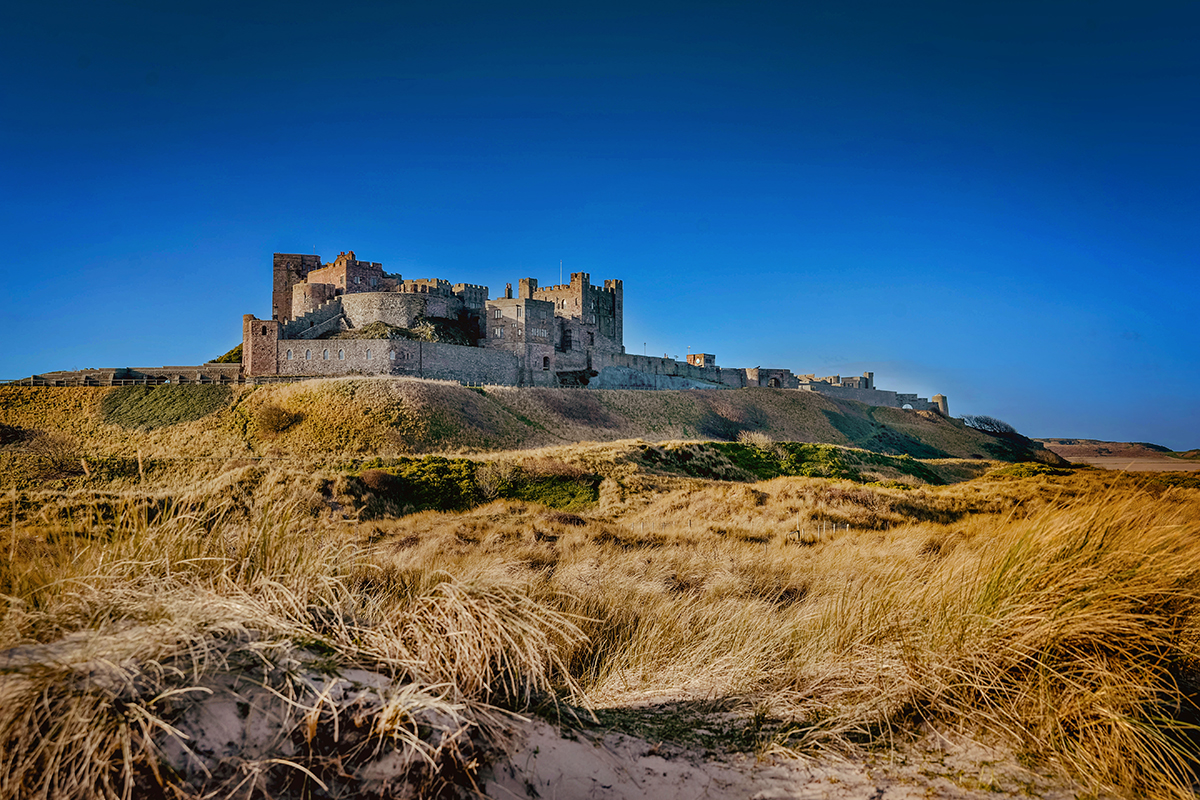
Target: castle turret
x=289, y=269
x=943, y=405
x=618, y=291
x=260, y=346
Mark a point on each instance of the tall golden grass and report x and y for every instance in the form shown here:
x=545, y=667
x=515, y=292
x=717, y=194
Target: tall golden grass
x=1054, y=614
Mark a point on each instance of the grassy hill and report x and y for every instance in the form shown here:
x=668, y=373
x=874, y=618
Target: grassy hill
x=392, y=416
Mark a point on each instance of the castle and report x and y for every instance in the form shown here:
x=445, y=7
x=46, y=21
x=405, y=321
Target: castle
x=349, y=317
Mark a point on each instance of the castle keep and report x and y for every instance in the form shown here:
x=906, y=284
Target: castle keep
x=349, y=317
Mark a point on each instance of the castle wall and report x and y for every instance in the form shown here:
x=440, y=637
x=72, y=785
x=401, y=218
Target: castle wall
x=308, y=326
x=614, y=377
x=872, y=397
x=397, y=308
x=310, y=296
x=434, y=360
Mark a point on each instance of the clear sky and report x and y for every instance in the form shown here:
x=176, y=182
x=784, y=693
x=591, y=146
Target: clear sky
x=998, y=201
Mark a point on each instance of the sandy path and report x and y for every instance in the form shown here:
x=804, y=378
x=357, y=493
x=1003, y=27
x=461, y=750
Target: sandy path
x=541, y=763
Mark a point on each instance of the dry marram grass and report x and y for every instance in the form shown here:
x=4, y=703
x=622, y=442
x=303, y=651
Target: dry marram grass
x=1056, y=614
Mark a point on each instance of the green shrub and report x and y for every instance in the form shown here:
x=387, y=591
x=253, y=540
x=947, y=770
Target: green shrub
x=407, y=485
x=1027, y=469
x=149, y=407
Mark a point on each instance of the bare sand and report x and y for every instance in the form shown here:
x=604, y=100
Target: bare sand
x=1140, y=464
x=542, y=761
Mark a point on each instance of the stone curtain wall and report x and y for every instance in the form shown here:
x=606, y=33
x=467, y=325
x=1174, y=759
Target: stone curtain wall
x=335, y=357
x=316, y=322
x=872, y=397
x=396, y=308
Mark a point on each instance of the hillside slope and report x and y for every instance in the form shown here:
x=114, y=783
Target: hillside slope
x=398, y=415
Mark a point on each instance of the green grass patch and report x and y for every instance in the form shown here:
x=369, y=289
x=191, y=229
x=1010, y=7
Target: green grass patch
x=1027, y=469
x=150, y=407
x=556, y=491
x=746, y=462
x=394, y=487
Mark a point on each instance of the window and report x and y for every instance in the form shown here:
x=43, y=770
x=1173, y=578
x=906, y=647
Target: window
x=341, y=354
x=497, y=313
x=392, y=355
x=326, y=355
x=518, y=312
x=357, y=279
x=545, y=362
x=591, y=338
x=289, y=355
x=308, y=355
x=368, y=354
x=372, y=281
x=264, y=331
x=566, y=339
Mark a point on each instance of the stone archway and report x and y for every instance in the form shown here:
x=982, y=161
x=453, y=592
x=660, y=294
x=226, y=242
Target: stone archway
x=773, y=383
x=906, y=407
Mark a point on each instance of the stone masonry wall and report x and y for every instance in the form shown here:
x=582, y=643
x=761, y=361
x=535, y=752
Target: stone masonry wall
x=333, y=357
x=288, y=270
x=871, y=397
x=315, y=322
x=396, y=308
x=260, y=340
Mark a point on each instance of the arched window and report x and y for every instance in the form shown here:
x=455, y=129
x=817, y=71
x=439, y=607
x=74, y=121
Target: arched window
x=326, y=355
x=545, y=362
x=308, y=355
x=368, y=354
x=341, y=355
x=289, y=355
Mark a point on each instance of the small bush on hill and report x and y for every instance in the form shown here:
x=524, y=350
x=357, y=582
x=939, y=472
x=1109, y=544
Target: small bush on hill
x=149, y=407
x=987, y=424
x=56, y=455
x=271, y=418
x=755, y=438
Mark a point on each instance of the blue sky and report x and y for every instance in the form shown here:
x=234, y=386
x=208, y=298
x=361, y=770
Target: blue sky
x=996, y=201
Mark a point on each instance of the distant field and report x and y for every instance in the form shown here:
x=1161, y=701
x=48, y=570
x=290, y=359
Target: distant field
x=1160, y=464
x=1127, y=456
